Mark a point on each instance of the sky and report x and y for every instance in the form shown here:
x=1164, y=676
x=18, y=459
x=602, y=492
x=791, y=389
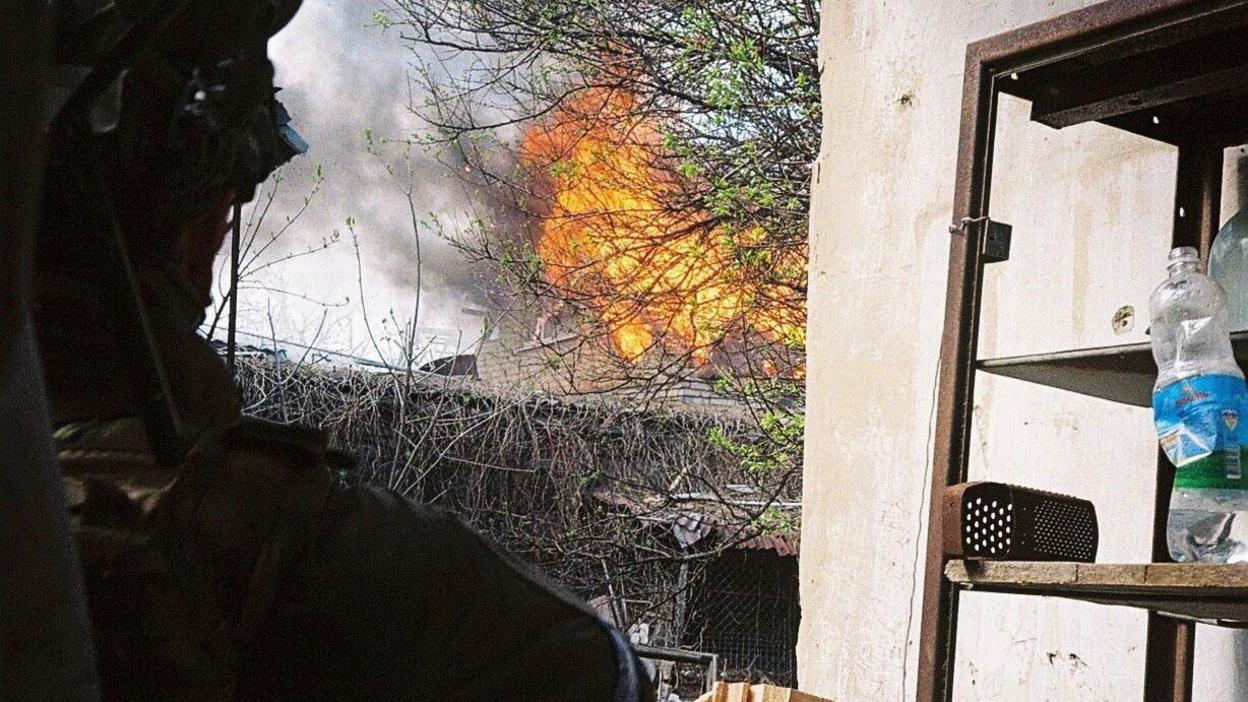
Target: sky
x=340, y=76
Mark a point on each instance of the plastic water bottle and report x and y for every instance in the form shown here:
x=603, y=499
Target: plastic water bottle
x=1228, y=265
x=1197, y=402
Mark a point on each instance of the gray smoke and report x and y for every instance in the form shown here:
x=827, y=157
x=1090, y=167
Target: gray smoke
x=343, y=77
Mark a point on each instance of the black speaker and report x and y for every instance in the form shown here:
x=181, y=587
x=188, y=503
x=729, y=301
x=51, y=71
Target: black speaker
x=995, y=521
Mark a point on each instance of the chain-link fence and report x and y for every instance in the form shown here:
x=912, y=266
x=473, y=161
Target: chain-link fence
x=745, y=609
x=735, y=617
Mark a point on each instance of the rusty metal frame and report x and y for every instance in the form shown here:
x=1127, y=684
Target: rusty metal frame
x=1170, y=642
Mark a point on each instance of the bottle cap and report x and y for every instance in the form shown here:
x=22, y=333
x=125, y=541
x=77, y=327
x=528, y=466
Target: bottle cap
x=1184, y=254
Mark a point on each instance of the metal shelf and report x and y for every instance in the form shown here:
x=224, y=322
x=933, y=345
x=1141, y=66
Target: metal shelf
x=1213, y=594
x=1184, y=81
x=1170, y=70
x=1117, y=373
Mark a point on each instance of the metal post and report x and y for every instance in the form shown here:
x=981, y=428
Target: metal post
x=938, y=637
x=1171, y=643
x=234, y=246
x=682, y=603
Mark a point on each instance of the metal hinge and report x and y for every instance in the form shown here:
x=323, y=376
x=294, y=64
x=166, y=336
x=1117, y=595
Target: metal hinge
x=995, y=244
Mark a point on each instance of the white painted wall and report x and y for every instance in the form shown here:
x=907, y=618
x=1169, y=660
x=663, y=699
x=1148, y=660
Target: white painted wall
x=1091, y=213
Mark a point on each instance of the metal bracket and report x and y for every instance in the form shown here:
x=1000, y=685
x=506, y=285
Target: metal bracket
x=995, y=245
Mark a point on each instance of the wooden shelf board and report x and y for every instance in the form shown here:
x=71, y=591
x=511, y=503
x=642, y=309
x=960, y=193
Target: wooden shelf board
x=1122, y=374
x=1217, y=594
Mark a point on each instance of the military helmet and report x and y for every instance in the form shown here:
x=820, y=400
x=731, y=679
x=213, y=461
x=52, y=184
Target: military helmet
x=175, y=99
x=159, y=112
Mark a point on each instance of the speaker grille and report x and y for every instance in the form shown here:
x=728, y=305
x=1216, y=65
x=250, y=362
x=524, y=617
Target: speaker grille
x=1007, y=522
x=988, y=526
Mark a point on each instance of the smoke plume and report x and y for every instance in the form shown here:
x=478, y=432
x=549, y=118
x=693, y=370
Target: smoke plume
x=347, y=83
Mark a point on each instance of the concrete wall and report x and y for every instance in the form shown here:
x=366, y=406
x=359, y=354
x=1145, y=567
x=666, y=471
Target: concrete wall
x=1091, y=215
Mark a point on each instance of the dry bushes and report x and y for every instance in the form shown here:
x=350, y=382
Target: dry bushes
x=589, y=491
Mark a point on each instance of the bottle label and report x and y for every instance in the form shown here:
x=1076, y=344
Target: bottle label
x=1199, y=428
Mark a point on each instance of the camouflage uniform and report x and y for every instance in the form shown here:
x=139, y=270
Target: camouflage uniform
x=242, y=570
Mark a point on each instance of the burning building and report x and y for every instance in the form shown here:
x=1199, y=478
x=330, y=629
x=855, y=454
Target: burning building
x=638, y=284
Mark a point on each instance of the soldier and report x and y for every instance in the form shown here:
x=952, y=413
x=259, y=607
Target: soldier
x=221, y=561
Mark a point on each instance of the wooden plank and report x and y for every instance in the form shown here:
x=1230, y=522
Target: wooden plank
x=744, y=692
x=1013, y=572
x=1217, y=594
x=798, y=696
x=1179, y=578
x=1111, y=574
x=1202, y=577
x=767, y=693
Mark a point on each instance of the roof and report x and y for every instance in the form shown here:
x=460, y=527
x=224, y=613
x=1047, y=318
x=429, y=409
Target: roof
x=692, y=517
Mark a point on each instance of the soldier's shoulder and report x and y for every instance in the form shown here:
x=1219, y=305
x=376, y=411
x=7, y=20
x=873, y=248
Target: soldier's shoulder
x=252, y=443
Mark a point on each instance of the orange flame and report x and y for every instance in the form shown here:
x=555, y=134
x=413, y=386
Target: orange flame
x=654, y=276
